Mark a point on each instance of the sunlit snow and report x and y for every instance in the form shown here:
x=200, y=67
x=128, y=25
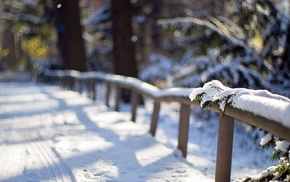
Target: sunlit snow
x=47, y=133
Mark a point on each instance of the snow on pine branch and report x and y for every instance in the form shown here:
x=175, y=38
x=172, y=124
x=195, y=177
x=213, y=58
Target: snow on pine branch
x=259, y=102
x=224, y=31
x=187, y=23
x=272, y=173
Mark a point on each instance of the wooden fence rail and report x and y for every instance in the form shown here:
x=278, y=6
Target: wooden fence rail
x=74, y=80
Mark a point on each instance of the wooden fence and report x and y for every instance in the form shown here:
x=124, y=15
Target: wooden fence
x=73, y=79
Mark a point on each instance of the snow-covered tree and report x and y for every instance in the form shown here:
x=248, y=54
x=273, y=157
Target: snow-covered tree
x=246, y=49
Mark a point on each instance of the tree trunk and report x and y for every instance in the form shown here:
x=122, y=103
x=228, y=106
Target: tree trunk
x=8, y=42
x=70, y=41
x=285, y=66
x=155, y=31
x=1, y=20
x=123, y=48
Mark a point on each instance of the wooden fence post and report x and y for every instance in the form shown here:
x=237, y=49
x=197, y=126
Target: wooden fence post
x=118, y=98
x=224, y=149
x=65, y=82
x=55, y=80
x=134, y=105
x=71, y=83
x=183, y=128
x=92, y=88
x=76, y=84
x=154, y=117
x=108, y=94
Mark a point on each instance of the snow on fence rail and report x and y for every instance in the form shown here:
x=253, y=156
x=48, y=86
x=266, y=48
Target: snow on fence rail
x=264, y=110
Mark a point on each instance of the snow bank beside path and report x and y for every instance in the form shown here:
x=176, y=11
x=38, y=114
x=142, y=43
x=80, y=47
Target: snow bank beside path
x=48, y=134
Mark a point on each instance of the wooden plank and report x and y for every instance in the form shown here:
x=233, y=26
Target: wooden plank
x=266, y=124
x=154, y=118
x=224, y=149
x=183, y=128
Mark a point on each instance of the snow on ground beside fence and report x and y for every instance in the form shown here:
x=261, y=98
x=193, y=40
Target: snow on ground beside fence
x=202, y=139
x=50, y=134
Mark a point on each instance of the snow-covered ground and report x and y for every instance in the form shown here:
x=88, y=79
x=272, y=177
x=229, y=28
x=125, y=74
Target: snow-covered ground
x=50, y=134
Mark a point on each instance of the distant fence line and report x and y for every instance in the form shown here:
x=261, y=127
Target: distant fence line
x=70, y=79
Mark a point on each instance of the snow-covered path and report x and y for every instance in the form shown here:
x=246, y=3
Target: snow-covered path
x=49, y=134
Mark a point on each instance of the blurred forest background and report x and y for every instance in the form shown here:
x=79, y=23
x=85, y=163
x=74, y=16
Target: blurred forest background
x=185, y=43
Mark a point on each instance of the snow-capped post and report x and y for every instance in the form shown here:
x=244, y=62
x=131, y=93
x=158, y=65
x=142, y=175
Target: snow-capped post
x=214, y=93
x=134, y=105
x=224, y=148
x=154, y=117
x=183, y=128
